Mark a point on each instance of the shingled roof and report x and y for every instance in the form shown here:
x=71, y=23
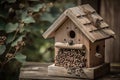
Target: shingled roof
x=86, y=19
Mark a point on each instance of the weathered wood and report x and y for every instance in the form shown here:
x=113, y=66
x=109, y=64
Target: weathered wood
x=110, y=11
x=79, y=25
x=80, y=16
x=88, y=8
x=89, y=73
x=96, y=15
x=91, y=36
x=84, y=20
x=95, y=61
x=66, y=45
x=75, y=29
x=39, y=71
x=77, y=11
x=80, y=38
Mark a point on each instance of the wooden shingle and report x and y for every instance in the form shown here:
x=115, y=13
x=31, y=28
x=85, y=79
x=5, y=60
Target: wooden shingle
x=77, y=11
x=88, y=8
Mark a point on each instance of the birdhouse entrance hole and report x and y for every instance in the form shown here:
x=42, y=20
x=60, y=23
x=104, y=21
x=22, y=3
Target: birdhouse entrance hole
x=72, y=34
x=97, y=49
x=98, y=52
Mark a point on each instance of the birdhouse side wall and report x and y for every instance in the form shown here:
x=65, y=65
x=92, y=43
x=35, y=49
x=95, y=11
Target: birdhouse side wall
x=97, y=53
x=63, y=35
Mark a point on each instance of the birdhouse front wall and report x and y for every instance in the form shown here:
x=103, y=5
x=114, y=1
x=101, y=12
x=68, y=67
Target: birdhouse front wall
x=67, y=32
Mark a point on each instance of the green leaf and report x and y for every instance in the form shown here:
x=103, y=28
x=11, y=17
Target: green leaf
x=9, y=38
x=55, y=11
x=47, y=17
x=16, y=41
x=20, y=57
x=11, y=1
x=28, y=20
x=10, y=27
x=2, y=49
x=36, y=8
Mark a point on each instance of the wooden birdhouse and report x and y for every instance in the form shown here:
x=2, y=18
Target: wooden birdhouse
x=80, y=35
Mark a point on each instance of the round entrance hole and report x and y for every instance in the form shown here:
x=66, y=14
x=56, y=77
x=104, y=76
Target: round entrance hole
x=72, y=34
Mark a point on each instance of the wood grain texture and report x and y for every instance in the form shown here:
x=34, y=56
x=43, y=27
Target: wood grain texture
x=83, y=17
x=79, y=39
x=97, y=34
x=66, y=45
x=94, y=60
x=63, y=72
x=110, y=11
x=39, y=71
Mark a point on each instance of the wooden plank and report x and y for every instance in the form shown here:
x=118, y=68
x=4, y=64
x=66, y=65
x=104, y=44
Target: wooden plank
x=96, y=16
x=88, y=8
x=115, y=67
x=39, y=71
x=98, y=29
x=109, y=32
x=90, y=27
x=77, y=11
x=98, y=35
x=84, y=20
x=110, y=11
x=103, y=24
x=102, y=33
x=89, y=73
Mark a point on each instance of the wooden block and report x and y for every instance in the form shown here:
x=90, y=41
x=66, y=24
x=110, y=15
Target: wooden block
x=89, y=73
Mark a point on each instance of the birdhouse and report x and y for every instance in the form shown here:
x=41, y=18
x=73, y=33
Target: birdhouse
x=80, y=35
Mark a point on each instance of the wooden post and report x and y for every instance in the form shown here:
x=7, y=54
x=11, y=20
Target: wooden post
x=110, y=11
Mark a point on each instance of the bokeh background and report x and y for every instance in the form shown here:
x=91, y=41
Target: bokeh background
x=34, y=17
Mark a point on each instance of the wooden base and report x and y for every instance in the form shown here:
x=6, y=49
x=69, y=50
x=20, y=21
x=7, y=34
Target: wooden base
x=90, y=73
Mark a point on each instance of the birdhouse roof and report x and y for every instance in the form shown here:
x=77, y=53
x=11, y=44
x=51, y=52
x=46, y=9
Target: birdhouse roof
x=86, y=19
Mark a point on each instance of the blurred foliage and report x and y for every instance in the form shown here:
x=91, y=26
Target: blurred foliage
x=38, y=48
x=22, y=23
